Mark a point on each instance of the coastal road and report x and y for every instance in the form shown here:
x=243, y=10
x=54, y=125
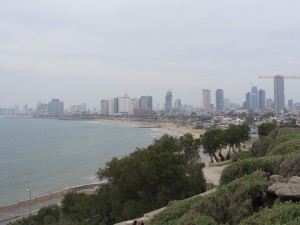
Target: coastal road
x=15, y=214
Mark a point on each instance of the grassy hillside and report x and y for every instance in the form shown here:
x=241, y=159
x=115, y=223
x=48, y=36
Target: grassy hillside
x=241, y=197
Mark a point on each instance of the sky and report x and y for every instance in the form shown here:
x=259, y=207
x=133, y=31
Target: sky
x=85, y=51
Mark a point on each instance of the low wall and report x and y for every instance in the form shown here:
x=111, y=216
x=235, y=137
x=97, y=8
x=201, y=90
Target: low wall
x=49, y=196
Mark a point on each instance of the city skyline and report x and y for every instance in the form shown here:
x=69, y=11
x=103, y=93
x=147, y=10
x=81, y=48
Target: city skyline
x=91, y=50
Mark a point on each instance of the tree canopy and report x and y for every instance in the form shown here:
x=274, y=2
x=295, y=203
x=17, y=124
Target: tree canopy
x=214, y=140
x=166, y=170
x=265, y=129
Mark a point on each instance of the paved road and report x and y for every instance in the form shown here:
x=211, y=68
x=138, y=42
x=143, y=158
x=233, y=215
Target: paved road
x=15, y=214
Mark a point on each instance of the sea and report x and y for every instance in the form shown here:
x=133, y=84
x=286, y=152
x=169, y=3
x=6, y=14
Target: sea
x=48, y=155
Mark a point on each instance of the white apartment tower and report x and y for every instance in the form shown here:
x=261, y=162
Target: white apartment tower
x=206, y=98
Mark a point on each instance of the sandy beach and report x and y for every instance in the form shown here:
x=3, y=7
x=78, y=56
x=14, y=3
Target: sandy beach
x=182, y=129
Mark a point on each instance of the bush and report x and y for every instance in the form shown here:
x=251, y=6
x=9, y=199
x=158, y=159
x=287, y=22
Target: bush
x=174, y=211
x=285, y=147
x=286, y=213
x=47, y=215
x=290, y=166
x=235, y=201
x=265, y=129
x=248, y=166
x=283, y=135
x=238, y=156
x=260, y=147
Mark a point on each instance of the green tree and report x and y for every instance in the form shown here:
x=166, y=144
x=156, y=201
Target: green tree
x=149, y=178
x=265, y=129
x=212, y=142
x=190, y=146
x=235, y=135
x=47, y=215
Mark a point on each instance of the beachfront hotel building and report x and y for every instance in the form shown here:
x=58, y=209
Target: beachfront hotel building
x=105, y=107
x=55, y=108
x=219, y=100
x=78, y=109
x=146, y=105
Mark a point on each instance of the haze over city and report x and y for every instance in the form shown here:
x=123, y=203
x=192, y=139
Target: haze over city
x=85, y=51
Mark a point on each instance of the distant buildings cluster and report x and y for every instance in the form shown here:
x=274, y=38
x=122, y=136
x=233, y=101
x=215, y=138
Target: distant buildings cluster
x=126, y=106
x=255, y=99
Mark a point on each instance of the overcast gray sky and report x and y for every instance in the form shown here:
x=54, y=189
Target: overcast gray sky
x=88, y=50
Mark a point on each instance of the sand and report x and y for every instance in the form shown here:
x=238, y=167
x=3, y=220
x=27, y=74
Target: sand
x=182, y=129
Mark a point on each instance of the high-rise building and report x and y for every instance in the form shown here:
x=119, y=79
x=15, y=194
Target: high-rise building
x=55, y=108
x=253, y=98
x=261, y=99
x=168, y=103
x=291, y=103
x=145, y=107
x=145, y=103
x=206, y=99
x=105, y=107
x=278, y=93
x=134, y=105
x=125, y=105
x=41, y=109
x=219, y=100
x=247, y=103
x=78, y=109
x=178, y=104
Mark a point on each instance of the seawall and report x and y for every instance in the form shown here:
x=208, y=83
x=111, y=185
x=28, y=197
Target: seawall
x=58, y=194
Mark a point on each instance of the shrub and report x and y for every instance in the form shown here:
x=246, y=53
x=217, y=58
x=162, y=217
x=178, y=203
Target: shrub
x=283, y=135
x=174, y=211
x=238, y=156
x=286, y=213
x=265, y=129
x=260, y=147
x=290, y=166
x=285, y=147
x=248, y=166
x=234, y=201
x=47, y=215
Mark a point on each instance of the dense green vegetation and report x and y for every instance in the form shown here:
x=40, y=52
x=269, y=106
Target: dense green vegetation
x=147, y=179
x=241, y=197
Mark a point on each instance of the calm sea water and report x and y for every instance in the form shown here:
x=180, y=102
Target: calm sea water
x=49, y=155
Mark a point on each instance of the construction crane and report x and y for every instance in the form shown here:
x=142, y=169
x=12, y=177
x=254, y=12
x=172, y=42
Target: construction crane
x=287, y=77
x=279, y=90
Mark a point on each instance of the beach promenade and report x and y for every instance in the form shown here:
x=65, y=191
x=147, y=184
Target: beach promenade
x=18, y=210
x=14, y=214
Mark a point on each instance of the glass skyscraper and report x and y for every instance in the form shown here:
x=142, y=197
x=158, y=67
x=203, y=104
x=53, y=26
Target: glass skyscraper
x=278, y=93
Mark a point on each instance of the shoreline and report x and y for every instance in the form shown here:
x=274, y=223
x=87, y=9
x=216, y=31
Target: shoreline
x=182, y=129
